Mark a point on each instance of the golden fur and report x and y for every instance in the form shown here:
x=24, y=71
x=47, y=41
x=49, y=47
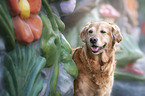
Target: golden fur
x=96, y=59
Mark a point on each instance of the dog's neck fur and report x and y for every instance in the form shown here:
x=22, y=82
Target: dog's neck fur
x=102, y=64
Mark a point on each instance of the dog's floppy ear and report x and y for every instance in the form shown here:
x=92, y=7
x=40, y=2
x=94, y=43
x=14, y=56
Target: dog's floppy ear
x=83, y=32
x=116, y=33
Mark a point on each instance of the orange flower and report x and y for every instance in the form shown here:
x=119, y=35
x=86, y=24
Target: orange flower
x=27, y=23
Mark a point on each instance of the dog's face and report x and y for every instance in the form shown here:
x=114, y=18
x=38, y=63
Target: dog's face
x=100, y=35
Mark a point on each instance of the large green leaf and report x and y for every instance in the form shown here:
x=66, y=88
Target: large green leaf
x=129, y=51
x=6, y=26
x=48, y=42
x=22, y=74
x=122, y=75
x=66, y=57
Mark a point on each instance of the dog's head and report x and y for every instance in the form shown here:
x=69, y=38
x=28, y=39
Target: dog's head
x=100, y=35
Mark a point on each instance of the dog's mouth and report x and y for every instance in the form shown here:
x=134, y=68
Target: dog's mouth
x=96, y=49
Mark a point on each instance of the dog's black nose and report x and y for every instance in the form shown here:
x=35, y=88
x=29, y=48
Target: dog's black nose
x=93, y=40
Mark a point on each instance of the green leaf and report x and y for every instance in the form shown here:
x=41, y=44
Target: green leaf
x=66, y=58
x=6, y=26
x=122, y=75
x=48, y=42
x=52, y=1
x=22, y=74
x=129, y=51
x=57, y=93
x=60, y=24
x=50, y=15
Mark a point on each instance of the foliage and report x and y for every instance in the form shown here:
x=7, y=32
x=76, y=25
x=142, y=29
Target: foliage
x=66, y=57
x=141, y=6
x=129, y=51
x=6, y=26
x=22, y=74
x=54, y=47
x=52, y=1
x=122, y=75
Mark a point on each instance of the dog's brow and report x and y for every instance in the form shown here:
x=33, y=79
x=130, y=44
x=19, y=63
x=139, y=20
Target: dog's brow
x=92, y=28
x=104, y=27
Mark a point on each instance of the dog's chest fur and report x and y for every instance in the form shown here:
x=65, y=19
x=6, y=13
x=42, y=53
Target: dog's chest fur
x=95, y=77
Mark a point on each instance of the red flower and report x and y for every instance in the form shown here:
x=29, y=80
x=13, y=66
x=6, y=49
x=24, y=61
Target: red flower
x=27, y=24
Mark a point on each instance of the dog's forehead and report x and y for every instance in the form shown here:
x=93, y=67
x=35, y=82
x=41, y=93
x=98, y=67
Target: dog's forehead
x=99, y=25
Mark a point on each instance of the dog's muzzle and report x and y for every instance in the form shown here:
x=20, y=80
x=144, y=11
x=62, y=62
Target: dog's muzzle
x=93, y=40
x=96, y=49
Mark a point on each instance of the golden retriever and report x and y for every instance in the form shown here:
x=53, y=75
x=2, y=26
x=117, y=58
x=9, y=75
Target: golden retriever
x=96, y=59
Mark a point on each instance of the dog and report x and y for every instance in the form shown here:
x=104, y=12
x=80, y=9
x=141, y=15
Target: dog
x=96, y=59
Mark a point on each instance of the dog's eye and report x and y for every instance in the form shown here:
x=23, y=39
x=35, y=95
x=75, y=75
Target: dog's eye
x=102, y=31
x=90, y=31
